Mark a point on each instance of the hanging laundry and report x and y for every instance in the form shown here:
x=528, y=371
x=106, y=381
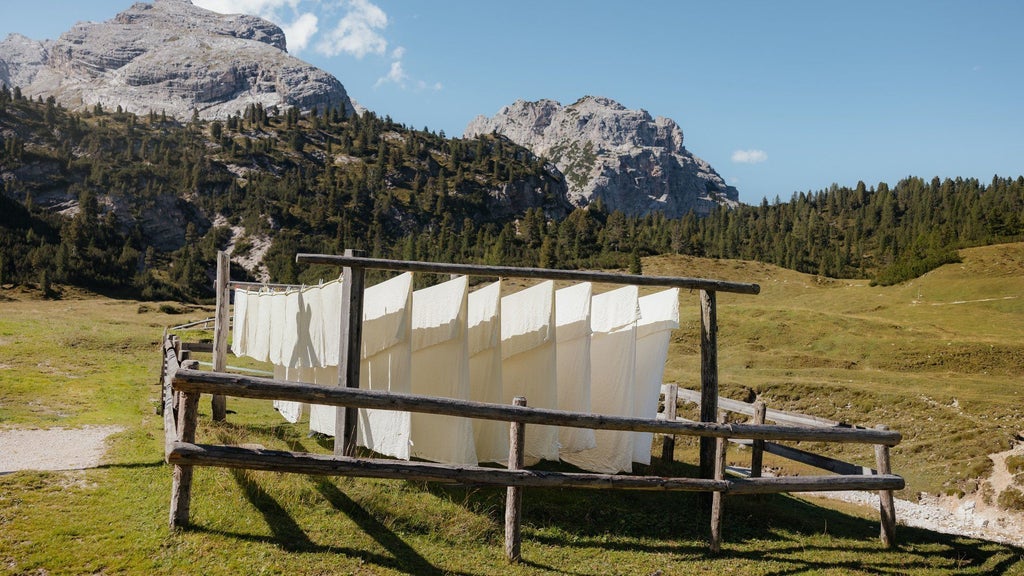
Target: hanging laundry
x=659, y=316
x=322, y=418
x=278, y=325
x=292, y=411
x=484, y=348
x=238, y=328
x=330, y=323
x=612, y=375
x=529, y=364
x=440, y=368
x=572, y=337
x=257, y=325
x=387, y=353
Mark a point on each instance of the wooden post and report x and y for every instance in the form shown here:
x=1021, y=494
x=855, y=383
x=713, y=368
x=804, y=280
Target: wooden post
x=708, y=378
x=757, y=452
x=668, y=444
x=181, y=486
x=886, y=506
x=716, y=497
x=221, y=323
x=346, y=419
x=514, y=494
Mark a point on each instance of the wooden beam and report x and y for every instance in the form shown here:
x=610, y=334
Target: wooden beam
x=747, y=409
x=539, y=273
x=716, y=497
x=668, y=442
x=886, y=506
x=810, y=459
x=181, y=485
x=243, y=386
x=346, y=419
x=514, y=494
x=757, y=454
x=708, y=378
x=221, y=331
x=830, y=482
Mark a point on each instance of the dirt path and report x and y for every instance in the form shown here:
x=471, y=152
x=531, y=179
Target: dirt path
x=53, y=449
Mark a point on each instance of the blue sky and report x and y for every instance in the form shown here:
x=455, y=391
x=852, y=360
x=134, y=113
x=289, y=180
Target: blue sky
x=778, y=96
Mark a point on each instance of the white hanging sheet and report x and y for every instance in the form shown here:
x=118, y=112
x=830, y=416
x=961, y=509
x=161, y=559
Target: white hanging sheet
x=238, y=328
x=292, y=411
x=278, y=324
x=330, y=323
x=440, y=368
x=529, y=362
x=321, y=418
x=659, y=315
x=490, y=436
x=387, y=355
x=572, y=337
x=257, y=326
x=612, y=373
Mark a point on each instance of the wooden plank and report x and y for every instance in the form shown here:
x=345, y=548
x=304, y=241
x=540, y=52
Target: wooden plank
x=269, y=389
x=330, y=465
x=810, y=459
x=514, y=494
x=778, y=484
x=708, y=378
x=886, y=506
x=346, y=419
x=716, y=497
x=181, y=485
x=757, y=454
x=221, y=325
x=198, y=347
x=668, y=443
x=539, y=273
x=170, y=423
x=747, y=409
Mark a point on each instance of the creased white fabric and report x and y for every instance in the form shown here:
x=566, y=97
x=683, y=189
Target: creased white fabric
x=490, y=436
x=440, y=368
x=330, y=328
x=258, y=326
x=292, y=411
x=278, y=325
x=321, y=418
x=387, y=355
x=572, y=335
x=612, y=374
x=238, y=328
x=529, y=366
x=659, y=315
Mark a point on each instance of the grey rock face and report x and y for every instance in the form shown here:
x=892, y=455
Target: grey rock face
x=626, y=158
x=170, y=56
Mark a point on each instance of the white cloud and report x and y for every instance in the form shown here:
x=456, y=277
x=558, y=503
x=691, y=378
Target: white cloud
x=749, y=156
x=395, y=75
x=398, y=52
x=358, y=32
x=299, y=32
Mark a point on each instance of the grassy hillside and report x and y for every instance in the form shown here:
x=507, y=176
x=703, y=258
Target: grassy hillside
x=938, y=359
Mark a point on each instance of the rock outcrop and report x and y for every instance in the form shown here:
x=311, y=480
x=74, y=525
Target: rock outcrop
x=169, y=56
x=627, y=159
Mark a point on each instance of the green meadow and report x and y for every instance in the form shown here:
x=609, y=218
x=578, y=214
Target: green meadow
x=940, y=358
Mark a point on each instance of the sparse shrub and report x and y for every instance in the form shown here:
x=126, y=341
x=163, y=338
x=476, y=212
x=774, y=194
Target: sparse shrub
x=1015, y=464
x=1011, y=499
x=171, y=309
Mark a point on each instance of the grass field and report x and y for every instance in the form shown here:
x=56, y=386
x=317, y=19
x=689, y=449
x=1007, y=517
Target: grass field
x=941, y=359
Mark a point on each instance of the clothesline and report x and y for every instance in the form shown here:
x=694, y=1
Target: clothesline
x=565, y=349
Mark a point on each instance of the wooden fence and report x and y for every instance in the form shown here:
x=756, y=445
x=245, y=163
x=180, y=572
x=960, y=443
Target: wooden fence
x=183, y=384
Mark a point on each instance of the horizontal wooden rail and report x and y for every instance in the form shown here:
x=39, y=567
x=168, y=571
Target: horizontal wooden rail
x=810, y=459
x=189, y=454
x=539, y=273
x=167, y=398
x=271, y=389
x=748, y=409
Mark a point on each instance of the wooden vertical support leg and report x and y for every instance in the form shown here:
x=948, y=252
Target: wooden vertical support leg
x=181, y=486
x=708, y=378
x=668, y=445
x=757, y=453
x=716, y=497
x=886, y=506
x=221, y=322
x=514, y=494
x=176, y=343
x=346, y=419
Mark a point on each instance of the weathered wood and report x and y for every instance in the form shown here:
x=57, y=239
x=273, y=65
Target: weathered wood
x=181, y=486
x=514, y=494
x=170, y=366
x=540, y=273
x=346, y=419
x=886, y=506
x=221, y=324
x=708, y=378
x=716, y=497
x=330, y=465
x=757, y=454
x=810, y=459
x=269, y=389
x=777, y=416
x=198, y=347
x=668, y=443
x=774, y=485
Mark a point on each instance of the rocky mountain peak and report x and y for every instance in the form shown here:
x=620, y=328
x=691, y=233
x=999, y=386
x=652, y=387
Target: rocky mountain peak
x=630, y=160
x=170, y=56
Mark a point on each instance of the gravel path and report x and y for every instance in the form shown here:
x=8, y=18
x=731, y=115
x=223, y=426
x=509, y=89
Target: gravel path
x=53, y=449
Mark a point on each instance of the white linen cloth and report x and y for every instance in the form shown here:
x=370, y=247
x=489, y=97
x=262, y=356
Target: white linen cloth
x=529, y=363
x=238, y=320
x=292, y=411
x=659, y=315
x=572, y=337
x=484, y=347
x=612, y=375
x=440, y=368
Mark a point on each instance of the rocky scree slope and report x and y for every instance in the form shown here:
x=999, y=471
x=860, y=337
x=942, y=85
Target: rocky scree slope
x=169, y=56
x=627, y=159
